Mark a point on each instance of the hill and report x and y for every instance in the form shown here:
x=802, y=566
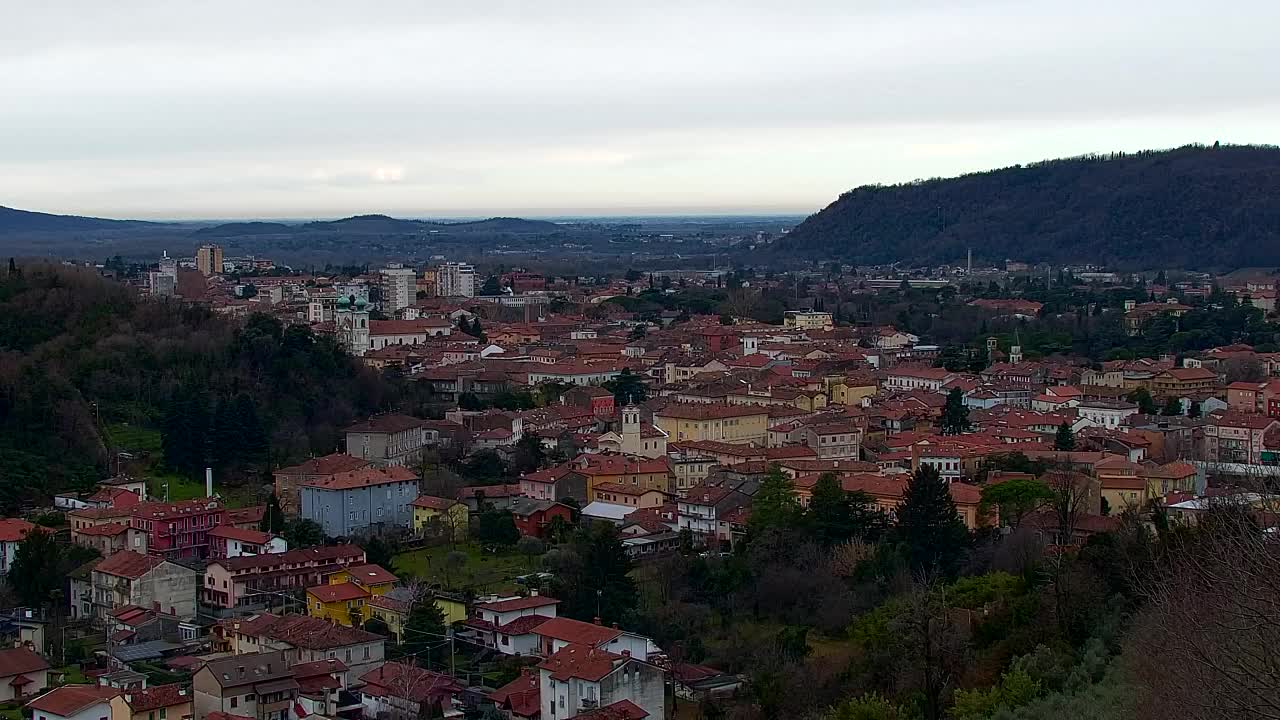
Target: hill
x=503, y=224
x=18, y=221
x=1193, y=207
x=241, y=229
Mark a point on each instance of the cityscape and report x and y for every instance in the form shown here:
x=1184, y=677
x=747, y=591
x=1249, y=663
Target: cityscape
x=574, y=361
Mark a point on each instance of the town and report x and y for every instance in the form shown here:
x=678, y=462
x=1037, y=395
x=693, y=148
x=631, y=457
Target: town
x=545, y=522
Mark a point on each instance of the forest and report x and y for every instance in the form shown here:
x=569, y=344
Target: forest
x=1193, y=207
x=79, y=354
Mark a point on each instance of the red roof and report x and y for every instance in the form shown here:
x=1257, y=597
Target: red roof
x=390, y=423
x=71, y=699
x=301, y=557
x=14, y=529
x=431, y=502
x=520, y=603
x=128, y=564
x=709, y=411
x=364, y=477
x=15, y=661
x=104, y=530
x=229, y=532
x=580, y=661
x=327, y=465
x=577, y=632
x=159, y=696
x=621, y=710
x=521, y=696
x=340, y=592
x=370, y=574
x=395, y=679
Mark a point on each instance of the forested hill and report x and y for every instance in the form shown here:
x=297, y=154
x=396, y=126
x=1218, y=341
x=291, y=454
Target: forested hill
x=12, y=220
x=1194, y=207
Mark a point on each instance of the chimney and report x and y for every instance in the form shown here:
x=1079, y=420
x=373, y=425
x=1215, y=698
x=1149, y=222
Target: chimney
x=128, y=697
x=208, y=482
x=615, y=626
x=626, y=653
x=533, y=592
x=596, y=620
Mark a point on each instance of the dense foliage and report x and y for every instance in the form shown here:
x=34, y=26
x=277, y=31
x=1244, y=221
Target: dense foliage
x=1190, y=207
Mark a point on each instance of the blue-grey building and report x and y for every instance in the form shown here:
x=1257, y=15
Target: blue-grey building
x=361, y=502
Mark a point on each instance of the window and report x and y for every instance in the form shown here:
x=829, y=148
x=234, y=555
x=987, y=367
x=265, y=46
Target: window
x=235, y=702
x=248, y=698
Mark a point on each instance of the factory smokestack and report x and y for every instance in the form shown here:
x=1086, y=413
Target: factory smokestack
x=208, y=482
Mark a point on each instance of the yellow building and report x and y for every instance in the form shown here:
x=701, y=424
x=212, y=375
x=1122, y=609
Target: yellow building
x=158, y=702
x=631, y=470
x=393, y=610
x=347, y=594
x=852, y=390
x=804, y=320
x=432, y=515
x=737, y=424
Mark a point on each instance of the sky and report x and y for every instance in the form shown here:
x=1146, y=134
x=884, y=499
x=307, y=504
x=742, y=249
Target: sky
x=316, y=108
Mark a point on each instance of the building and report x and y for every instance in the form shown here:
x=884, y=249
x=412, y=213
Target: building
x=440, y=517
x=399, y=287
x=110, y=538
x=456, y=280
x=1237, y=437
x=342, y=599
x=702, y=508
x=806, y=320
x=831, y=440
x=1103, y=413
x=508, y=625
x=22, y=673
x=251, y=580
x=209, y=260
x=635, y=438
x=74, y=702
x=582, y=679
x=129, y=578
x=389, y=439
x=161, y=702
x=400, y=691
x=257, y=685
x=532, y=517
x=392, y=333
x=361, y=502
x=301, y=639
x=737, y=424
x=177, y=529
x=1180, y=382
x=12, y=530
x=288, y=480
x=918, y=378
x=351, y=324
x=226, y=541
x=630, y=496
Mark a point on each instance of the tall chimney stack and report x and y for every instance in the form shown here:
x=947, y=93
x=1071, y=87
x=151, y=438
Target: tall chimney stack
x=208, y=482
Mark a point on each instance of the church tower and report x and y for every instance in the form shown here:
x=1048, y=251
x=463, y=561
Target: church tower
x=351, y=319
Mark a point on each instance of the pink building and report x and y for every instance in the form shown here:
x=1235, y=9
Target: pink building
x=178, y=529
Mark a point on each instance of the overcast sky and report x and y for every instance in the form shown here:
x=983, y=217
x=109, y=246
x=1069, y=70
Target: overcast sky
x=292, y=108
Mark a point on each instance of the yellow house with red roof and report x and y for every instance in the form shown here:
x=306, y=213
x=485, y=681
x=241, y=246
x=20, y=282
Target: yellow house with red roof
x=344, y=600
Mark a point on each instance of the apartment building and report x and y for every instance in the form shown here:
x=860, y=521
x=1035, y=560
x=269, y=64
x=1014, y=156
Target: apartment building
x=456, y=280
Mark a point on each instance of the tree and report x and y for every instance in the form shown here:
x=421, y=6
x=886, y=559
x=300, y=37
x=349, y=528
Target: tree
x=1194, y=411
x=477, y=330
x=454, y=562
x=491, y=286
x=1065, y=439
x=530, y=547
x=1142, y=397
x=424, y=628
x=774, y=506
x=34, y=574
x=529, y=454
x=496, y=528
x=628, y=388
x=955, y=415
x=1071, y=495
x=928, y=525
x=1015, y=499
x=377, y=552
x=592, y=576
x=835, y=517
x=1172, y=407
x=303, y=533
x=273, y=517
x=483, y=467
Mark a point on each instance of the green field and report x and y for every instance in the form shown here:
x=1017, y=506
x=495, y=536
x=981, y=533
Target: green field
x=483, y=572
x=133, y=439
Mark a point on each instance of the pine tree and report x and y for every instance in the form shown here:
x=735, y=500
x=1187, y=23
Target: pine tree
x=273, y=517
x=955, y=415
x=774, y=506
x=1065, y=439
x=252, y=437
x=1172, y=406
x=928, y=525
x=424, y=629
x=830, y=515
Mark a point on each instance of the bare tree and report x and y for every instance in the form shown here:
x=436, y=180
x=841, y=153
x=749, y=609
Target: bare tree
x=1073, y=496
x=934, y=648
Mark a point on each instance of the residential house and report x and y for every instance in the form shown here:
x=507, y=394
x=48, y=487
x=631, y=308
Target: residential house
x=361, y=502
x=129, y=578
x=1180, y=382
x=648, y=473
x=1177, y=476
x=178, y=529
x=396, y=690
x=73, y=702
x=320, y=687
x=533, y=517
x=555, y=483
x=520, y=698
x=110, y=538
x=301, y=639
x=1237, y=437
x=702, y=507
x=907, y=377
x=581, y=679
x=342, y=600
x=12, y=530
x=256, y=685
x=831, y=440
x=1103, y=413
x=591, y=397
x=288, y=481
x=22, y=673
x=226, y=541
x=159, y=702
x=388, y=440
x=250, y=580
x=440, y=517
x=631, y=496
x=508, y=625
x=634, y=438
x=391, y=609
x=737, y=424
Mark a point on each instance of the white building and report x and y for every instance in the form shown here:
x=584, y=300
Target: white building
x=399, y=287
x=581, y=678
x=352, y=324
x=1103, y=413
x=456, y=280
x=74, y=702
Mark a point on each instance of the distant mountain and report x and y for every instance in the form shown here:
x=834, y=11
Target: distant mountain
x=19, y=221
x=241, y=229
x=1190, y=207
x=384, y=225
x=504, y=224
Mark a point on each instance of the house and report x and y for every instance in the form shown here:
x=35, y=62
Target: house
x=343, y=599
x=392, y=609
x=498, y=497
x=520, y=698
x=74, y=702
x=699, y=682
x=737, y=424
x=1177, y=476
x=640, y=472
x=160, y=702
x=629, y=495
x=1103, y=413
x=1178, y=382
x=831, y=440
x=289, y=480
x=110, y=538
x=129, y=578
x=917, y=378
x=388, y=440
x=555, y=483
x=508, y=625
x=807, y=320
x=532, y=517
x=1237, y=437
x=702, y=507
x=173, y=530
x=320, y=684
x=257, y=685
x=301, y=639
x=361, y=502
x=440, y=517
x=226, y=541
x=582, y=679
x=406, y=691
x=12, y=530
x=591, y=397
x=22, y=673
x=249, y=580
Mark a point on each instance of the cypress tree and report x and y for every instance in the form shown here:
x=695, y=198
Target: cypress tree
x=928, y=526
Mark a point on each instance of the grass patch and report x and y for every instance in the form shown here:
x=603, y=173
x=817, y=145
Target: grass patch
x=10, y=711
x=180, y=488
x=483, y=572
x=72, y=673
x=133, y=438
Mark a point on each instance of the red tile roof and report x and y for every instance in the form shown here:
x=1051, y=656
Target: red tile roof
x=709, y=411
x=71, y=699
x=128, y=564
x=580, y=661
x=363, y=477
x=229, y=532
x=104, y=530
x=15, y=661
x=326, y=465
x=577, y=632
x=341, y=592
x=390, y=423
x=305, y=632
x=370, y=574
x=621, y=710
x=431, y=502
x=303, y=556
x=159, y=696
x=520, y=603
x=522, y=696
x=395, y=679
